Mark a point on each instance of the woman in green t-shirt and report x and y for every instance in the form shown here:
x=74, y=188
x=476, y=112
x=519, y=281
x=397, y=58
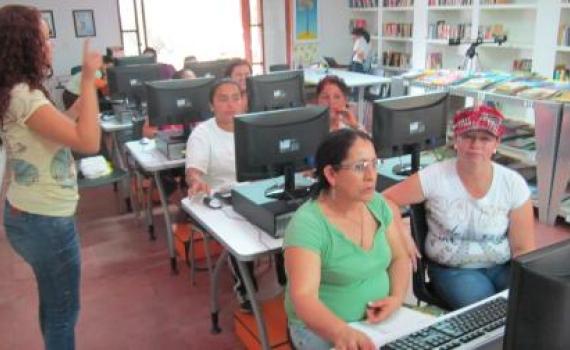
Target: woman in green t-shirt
x=344, y=257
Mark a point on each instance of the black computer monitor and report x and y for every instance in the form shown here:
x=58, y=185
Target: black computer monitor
x=179, y=101
x=408, y=125
x=127, y=82
x=274, y=143
x=215, y=68
x=130, y=60
x=275, y=91
x=538, y=314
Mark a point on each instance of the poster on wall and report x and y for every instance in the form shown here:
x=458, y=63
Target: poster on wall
x=306, y=20
x=84, y=23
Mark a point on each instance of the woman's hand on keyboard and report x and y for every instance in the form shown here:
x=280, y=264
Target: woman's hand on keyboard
x=378, y=311
x=352, y=339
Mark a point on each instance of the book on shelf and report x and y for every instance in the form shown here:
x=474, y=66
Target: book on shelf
x=395, y=59
x=434, y=60
x=442, y=30
x=397, y=3
x=449, y=3
x=489, y=32
x=401, y=30
x=495, y=2
x=363, y=3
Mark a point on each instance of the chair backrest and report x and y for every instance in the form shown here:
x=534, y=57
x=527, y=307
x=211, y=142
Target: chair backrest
x=279, y=67
x=422, y=288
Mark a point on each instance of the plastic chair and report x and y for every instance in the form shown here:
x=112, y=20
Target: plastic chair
x=423, y=289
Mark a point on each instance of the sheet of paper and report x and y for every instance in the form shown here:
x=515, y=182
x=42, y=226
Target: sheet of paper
x=401, y=322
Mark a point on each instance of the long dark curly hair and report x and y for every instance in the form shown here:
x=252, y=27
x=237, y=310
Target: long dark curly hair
x=23, y=57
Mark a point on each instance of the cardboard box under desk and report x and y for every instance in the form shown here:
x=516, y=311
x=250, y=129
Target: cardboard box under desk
x=182, y=236
x=275, y=323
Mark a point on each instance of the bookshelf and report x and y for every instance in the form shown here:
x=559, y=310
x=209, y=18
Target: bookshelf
x=531, y=32
x=395, y=18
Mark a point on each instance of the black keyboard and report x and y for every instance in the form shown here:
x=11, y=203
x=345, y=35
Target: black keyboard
x=455, y=331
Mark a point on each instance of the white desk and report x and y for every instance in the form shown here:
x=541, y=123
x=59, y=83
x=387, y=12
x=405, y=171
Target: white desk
x=111, y=125
x=352, y=79
x=153, y=161
x=244, y=241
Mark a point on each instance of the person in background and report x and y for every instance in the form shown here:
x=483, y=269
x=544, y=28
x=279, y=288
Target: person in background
x=332, y=92
x=210, y=159
x=189, y=59
x=479, y=213
x=239, y=70
x=166, y=70
x=360, y=49
x=41, y=198
x=344, y=257
x=184, y=74
x=72, y=89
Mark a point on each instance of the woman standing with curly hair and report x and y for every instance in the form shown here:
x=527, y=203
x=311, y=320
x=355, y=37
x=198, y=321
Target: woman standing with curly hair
x=42, y=188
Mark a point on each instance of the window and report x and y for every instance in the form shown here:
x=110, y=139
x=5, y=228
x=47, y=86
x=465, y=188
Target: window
x=256, y=35
x=206, y=29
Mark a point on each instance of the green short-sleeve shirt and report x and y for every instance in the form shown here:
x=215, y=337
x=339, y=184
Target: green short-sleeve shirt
x=350, y=276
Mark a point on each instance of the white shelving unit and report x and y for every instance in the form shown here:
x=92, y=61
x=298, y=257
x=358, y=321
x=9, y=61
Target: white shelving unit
x=562, y=51
x=402, y=44
x=531, y=27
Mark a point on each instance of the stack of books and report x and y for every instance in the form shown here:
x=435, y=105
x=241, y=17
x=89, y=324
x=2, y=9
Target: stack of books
x=442, y=30
x=397, y=3
x=401, y=30
x=362, y=3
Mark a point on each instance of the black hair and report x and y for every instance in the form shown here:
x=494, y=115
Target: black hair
x=235, y=63
x=107, y=59
x=332, y=151
x=149, y=50
x=358, y=31
x=334, y=80
x=218, y=84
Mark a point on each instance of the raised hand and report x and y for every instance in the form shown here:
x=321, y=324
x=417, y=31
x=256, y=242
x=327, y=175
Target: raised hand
x=92, y=61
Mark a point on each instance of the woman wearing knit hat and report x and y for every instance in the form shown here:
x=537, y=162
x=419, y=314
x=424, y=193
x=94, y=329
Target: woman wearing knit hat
x=479, y=213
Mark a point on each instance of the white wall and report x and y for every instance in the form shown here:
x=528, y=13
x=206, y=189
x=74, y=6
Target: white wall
x=275, y=34
x=68, y=48
x=334, y=36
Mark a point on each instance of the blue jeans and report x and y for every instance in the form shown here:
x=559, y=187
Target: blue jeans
x=51, y=246
x=305, y=339
x=356, y=67
x=460, y=287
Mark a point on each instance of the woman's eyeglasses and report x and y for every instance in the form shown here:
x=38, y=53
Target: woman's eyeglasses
x=360, y=166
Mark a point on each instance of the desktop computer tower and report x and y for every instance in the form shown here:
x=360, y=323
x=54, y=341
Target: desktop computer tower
x=271, y=215
x=171, y=144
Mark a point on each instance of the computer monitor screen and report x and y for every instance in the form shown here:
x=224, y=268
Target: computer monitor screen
x=275, y=91
x=273, y=143
x=127, y=82
x=130, y=60
x=215, y=68
x=408, y=125
x=179, y=101
x=538, y=314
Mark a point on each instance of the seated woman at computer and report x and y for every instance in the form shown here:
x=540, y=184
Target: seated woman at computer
x=344, y=257
x=332, y=92
x=72, y=88
x=479, y=213
x=238, y=70
x=210, y=157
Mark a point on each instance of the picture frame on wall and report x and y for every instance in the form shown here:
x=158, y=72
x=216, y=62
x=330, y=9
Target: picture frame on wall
x=84, y=23
x=47, y=16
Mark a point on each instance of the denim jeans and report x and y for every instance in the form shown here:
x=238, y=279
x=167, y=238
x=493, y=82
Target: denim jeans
x=356, y=67
x=305, y=339
x=460, y=287
x=51, y=246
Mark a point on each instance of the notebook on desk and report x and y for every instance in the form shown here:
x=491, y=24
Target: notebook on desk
x=402, y=322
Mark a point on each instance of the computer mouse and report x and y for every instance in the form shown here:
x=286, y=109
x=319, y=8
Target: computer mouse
x=144, y=141
x=212, y=202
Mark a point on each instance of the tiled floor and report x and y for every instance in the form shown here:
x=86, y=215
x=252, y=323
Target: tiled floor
x=130, y=300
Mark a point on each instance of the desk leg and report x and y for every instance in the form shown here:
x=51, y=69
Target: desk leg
x=361, y=104
x=255, y=306
x=214, y=307
x=119, y=160
x=166, y=213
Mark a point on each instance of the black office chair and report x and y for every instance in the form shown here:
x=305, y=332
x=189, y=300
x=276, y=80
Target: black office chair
x=423, y=289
